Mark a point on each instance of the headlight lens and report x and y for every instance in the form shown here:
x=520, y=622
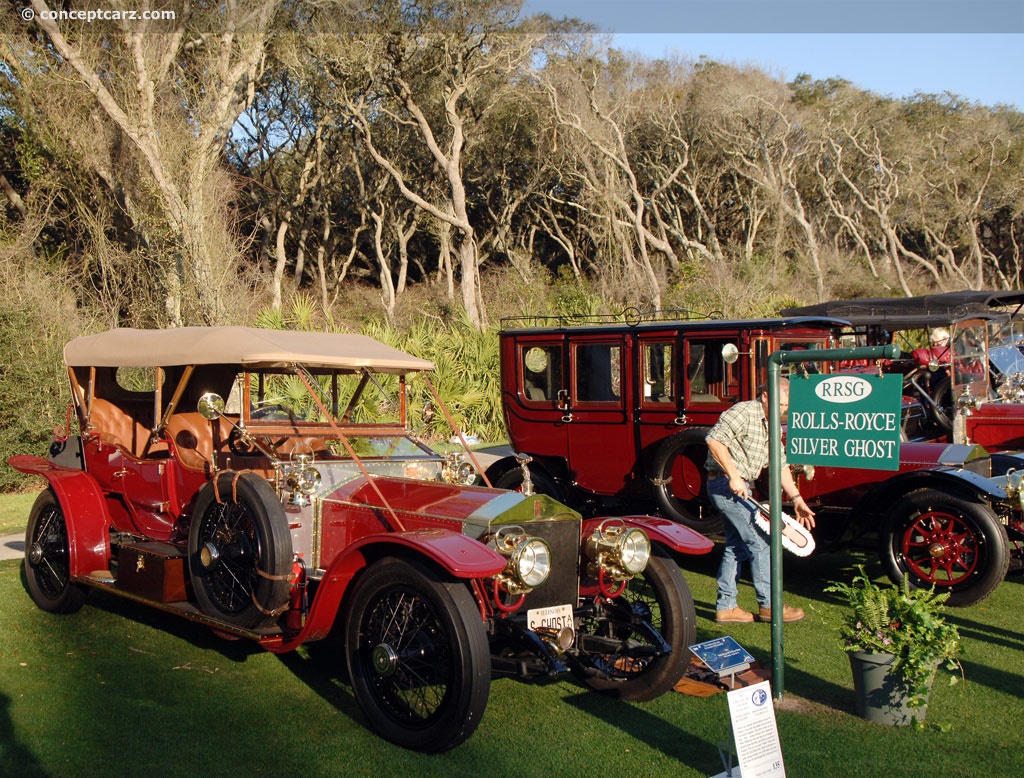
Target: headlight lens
x=634, y=550
x=308, y=480
x=467, y=475
x=618, y=552
x=531, y=561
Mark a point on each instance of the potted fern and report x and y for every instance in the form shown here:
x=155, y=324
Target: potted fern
x=896, y=638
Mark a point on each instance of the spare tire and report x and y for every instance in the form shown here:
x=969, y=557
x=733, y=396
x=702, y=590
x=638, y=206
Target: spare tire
x=240, y=551
x=679, y=480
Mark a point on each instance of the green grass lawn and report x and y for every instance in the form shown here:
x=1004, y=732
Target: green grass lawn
x=121, y=690
x=14, y=510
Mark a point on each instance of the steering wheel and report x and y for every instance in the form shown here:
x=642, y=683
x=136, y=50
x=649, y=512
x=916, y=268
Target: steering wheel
x=240, y=446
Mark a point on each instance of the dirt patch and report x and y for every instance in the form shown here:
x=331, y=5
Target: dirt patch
x=792, y=703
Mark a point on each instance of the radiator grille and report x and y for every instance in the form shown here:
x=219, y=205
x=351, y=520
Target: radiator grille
x=562, y=587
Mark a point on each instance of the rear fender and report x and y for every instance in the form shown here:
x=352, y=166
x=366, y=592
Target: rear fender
x=458, y=555
x=668, y=533
x=85, y=511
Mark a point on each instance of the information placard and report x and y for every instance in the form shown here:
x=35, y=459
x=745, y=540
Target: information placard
x=723, y=655
x=845, y=421
x=755, y=733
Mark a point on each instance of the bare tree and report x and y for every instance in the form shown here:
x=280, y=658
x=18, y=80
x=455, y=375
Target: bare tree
x=756, y=124
x=434, y=76
x=594, y=106
x=163, y=96
x=961, y=185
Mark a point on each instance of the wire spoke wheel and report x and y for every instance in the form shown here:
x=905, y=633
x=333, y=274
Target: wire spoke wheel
x=410, y=656
x=229, y=528
x=418, y=656
x=633, y=668
x=48, y=558
x=240, y=551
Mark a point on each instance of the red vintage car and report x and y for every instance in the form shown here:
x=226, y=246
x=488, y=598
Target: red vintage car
x=614, y=416
x=269, y=485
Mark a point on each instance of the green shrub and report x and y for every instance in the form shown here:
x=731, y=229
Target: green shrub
x=466, y=376
x=467, y=368
x=34, y=395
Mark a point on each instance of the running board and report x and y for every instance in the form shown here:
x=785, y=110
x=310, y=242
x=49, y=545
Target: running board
x=181, y=608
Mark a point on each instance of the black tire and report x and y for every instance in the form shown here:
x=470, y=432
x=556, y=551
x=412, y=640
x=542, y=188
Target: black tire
x=685, y=452
x=512, y=479
x=661, y=597
x=244, y=539
x=946, y=542
x=417, y=656
x=48, y=558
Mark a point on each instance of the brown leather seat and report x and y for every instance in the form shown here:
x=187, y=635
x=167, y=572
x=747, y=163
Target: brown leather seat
x=122, y=425
x=192, y=436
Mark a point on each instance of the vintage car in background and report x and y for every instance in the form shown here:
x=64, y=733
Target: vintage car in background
x=974, y=385
x=270, y=486
x=614, y=415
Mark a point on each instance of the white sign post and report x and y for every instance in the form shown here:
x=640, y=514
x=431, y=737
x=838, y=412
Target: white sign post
x=755, y=734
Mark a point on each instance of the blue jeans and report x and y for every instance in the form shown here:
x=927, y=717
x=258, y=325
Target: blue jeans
x=744, y=542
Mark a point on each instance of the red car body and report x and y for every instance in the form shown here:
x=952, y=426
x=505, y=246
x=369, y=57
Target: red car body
x=974, y=385
x=304, y=507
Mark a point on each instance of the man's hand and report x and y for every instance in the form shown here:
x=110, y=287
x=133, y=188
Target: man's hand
x=738, y=486
x=804, y=514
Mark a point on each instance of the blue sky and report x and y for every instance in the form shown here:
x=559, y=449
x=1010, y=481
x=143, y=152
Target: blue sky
x=897, y=47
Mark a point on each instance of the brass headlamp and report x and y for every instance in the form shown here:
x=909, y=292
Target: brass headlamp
x=529, y=559
x=617, y=551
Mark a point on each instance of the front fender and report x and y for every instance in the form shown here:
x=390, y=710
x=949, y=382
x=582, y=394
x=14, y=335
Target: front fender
x=949, y=479
x=84, y=507
x=460, y=556
x=675, y=536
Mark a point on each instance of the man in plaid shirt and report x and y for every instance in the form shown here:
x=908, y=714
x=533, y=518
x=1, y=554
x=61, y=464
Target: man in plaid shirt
x=737, y=453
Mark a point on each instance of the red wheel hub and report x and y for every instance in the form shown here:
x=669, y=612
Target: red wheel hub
x=940, y=548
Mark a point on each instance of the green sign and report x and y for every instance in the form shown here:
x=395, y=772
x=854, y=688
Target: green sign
x=845, y=421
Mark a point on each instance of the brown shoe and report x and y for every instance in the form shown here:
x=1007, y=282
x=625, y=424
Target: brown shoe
x=788, y=614
x=734, y=616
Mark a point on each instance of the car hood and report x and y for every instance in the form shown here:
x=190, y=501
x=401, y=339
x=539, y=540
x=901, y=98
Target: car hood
x=479, y=509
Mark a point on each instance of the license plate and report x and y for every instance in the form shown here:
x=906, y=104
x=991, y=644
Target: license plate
x=552, y=617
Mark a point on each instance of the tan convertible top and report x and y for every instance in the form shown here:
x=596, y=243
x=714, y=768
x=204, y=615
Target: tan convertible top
x=247, y=346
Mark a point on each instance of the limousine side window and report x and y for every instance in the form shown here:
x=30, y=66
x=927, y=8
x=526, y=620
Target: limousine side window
x=541, y=369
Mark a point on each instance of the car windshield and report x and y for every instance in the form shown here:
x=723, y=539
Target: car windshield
x=1007, y=359
x=364, y=409
x=284, y=397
